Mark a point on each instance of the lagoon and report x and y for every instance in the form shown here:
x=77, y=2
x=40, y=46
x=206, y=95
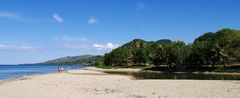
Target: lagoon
x=177, y=76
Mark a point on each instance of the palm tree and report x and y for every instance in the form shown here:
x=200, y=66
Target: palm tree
x=219, y=54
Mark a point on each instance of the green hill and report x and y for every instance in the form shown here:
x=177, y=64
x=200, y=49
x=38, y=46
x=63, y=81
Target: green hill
x=74, y=60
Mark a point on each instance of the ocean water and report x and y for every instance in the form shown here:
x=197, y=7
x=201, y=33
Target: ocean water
x=13, y=71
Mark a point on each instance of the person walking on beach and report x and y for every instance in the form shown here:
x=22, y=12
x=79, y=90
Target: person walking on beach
x=62, y=69
x=59, y=69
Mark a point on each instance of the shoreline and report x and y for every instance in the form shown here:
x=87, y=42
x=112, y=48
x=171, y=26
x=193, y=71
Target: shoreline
x=113, y=70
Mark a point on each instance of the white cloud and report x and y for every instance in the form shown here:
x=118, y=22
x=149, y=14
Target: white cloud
x=92, y=21
x=56, y=38
x=22, y=48
x=9, y=15
x=75, y=47
x=70, y=38
x=98, y=47
x=111, y=46
x=108, y=46
x=140, y=6
x=72, y=42
x=105, y=47
x=57, y=18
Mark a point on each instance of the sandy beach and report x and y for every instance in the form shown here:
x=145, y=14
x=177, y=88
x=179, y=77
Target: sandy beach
x=95, y=84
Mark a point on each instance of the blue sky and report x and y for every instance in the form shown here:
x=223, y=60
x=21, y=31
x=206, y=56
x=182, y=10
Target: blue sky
x=37, y=30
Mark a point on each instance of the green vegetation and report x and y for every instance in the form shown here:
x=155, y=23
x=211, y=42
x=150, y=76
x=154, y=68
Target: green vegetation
x=118, y=67
x=228, y=69
x=219, y=48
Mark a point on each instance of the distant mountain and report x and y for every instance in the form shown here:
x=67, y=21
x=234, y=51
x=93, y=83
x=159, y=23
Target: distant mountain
x=74, y=60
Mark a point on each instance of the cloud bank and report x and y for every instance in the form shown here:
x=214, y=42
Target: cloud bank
x=19, y=48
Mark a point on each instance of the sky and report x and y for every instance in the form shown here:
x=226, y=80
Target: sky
x=33, y=31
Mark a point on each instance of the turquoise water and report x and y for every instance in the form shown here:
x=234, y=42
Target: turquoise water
x=12, y=71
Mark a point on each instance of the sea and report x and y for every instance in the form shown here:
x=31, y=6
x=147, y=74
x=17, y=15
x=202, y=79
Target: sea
x=14, y=71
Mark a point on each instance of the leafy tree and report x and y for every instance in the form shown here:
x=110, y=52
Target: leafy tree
x=152, y=52
x=108, y=59
x=140, y=56
x=159, y=56
x=177, y=53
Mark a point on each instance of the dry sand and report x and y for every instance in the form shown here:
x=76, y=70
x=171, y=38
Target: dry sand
x=95, y=84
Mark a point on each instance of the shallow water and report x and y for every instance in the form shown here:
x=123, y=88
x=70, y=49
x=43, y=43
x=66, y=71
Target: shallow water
x=190, y=76
x=12, y=71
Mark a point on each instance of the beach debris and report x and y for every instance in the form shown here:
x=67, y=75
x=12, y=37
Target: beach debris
x=98, y=91
x=103, y=91
x=24, y=78
x=136, y=96
x=162, y=96
x=237, y=82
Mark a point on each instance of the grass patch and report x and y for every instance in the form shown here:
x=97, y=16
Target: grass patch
x=235, y=69
x=119, y=67
x=228, y=69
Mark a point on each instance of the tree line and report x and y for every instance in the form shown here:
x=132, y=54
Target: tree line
x=212, y=48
